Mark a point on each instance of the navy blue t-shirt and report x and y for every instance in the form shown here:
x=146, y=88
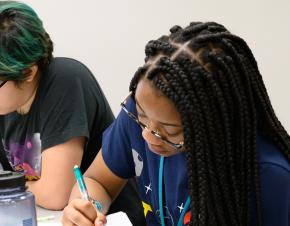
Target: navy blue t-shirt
x=127, y=155
x=275, y=184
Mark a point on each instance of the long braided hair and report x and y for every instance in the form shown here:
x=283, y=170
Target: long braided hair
x=213, y=79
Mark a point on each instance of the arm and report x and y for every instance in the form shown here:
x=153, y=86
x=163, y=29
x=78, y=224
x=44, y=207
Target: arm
x=72, y=105
x=102, y=185
x=53, y=188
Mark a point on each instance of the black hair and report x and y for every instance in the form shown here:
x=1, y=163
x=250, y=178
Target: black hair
x=213, y=79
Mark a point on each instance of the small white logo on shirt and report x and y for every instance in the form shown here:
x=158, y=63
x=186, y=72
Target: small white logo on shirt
x=138, y=162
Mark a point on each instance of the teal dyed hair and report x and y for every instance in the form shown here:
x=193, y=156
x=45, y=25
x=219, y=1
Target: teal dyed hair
x=23, y=41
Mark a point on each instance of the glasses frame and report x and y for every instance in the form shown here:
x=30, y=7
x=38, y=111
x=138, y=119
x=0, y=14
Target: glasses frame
x=143, y=126
x=3, y=83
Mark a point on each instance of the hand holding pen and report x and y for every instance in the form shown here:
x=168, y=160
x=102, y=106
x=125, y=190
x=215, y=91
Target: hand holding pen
x=83, y=188
x=84, y=191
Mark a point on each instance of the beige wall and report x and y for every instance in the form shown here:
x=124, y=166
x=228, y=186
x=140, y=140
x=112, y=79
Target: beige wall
x=109, y=36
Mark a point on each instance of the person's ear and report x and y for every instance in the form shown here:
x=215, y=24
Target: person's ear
x=30, y=73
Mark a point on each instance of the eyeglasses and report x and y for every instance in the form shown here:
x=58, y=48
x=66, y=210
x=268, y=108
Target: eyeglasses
x=143, y=126
x=2, y=83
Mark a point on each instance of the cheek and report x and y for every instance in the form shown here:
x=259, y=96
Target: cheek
x=8, y=102
x=150, y=138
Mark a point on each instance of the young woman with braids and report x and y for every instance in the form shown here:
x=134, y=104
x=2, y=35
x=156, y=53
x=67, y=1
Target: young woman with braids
x=199, y=132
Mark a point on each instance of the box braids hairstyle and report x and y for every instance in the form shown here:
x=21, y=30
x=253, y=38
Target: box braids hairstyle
x=213, y=79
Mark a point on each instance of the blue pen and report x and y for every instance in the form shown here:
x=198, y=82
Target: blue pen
x=83, y=188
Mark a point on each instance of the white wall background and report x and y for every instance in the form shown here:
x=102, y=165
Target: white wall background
x=110, y=36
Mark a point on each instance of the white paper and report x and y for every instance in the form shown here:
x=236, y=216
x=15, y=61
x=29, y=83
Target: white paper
x=118, y=219
x=49, y=224
x=115, y=219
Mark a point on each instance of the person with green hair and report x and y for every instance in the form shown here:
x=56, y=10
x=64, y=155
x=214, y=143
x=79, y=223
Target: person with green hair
x=52, y=112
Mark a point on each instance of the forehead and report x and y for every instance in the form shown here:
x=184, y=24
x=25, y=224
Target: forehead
x=145, y=88
x=154, y=104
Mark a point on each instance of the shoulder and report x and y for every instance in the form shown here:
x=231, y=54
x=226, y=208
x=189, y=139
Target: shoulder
x=275, y=183
x=274, y=168
x=67, y=74
x=131, y=106
x=122, y=122
x=124, y=117
x=124, y=126
x=270, y=155
x=69, y=69
x=66, y=63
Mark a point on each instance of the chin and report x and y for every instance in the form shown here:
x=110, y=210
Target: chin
x=172, y=153
x=160, y=150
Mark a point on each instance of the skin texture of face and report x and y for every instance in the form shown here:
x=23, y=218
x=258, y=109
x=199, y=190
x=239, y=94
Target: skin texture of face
x=14, y=97
x=159, y=113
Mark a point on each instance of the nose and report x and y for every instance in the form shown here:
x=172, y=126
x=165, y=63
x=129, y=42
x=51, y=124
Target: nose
x=150, y=138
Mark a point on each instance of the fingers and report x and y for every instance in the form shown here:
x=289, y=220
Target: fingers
x=86, y=208
x=75, y=218
x=100, y=220
x=79, y=212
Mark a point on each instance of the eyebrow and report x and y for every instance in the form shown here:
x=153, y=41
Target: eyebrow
x=163, y=123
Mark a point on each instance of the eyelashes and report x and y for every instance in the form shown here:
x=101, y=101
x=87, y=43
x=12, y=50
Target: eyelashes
x=143, y=119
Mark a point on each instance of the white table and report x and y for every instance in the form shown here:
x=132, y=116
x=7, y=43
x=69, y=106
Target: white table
x=115, y=219
x=54, y=216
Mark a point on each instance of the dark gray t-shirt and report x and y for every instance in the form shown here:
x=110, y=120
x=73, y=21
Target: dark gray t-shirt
x=69, y=103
